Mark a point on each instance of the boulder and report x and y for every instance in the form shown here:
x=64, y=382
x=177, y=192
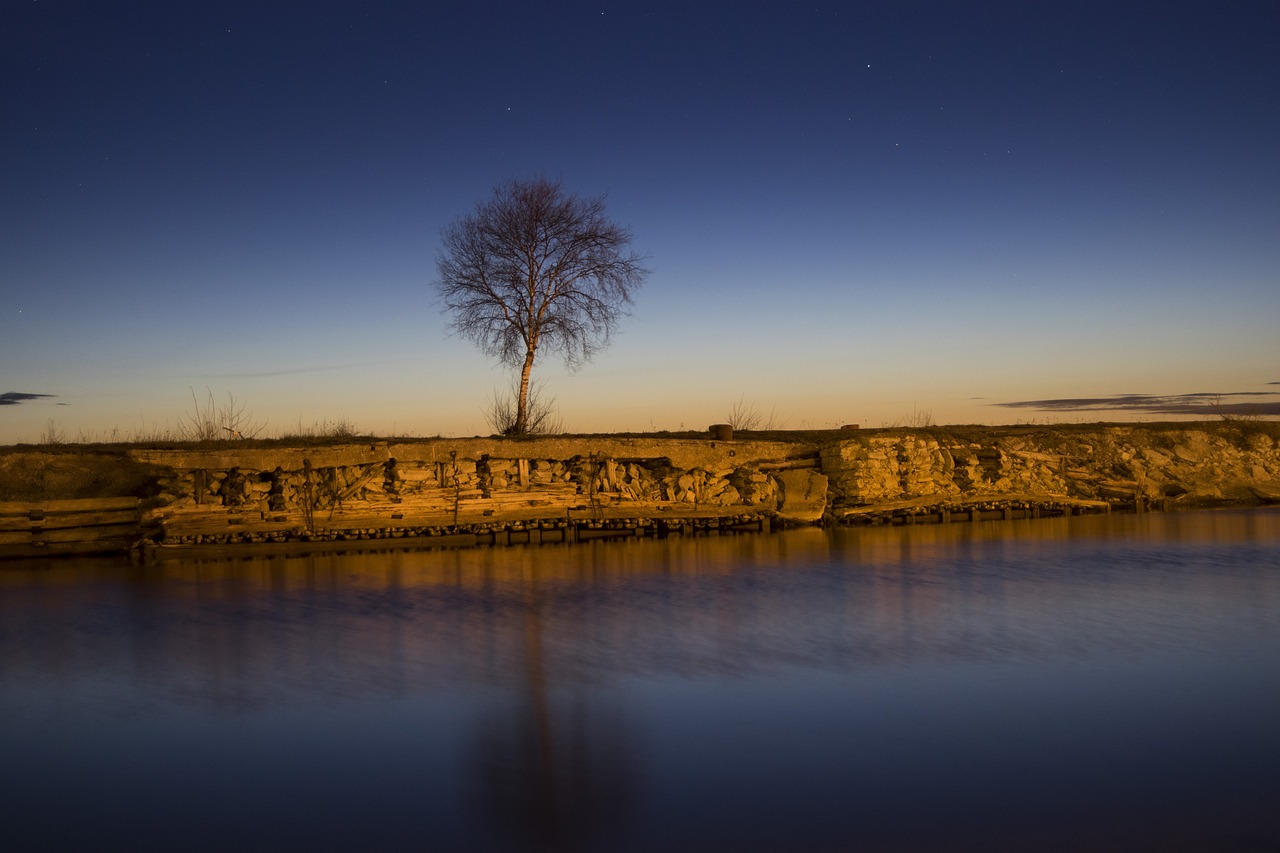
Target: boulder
x=804, y=495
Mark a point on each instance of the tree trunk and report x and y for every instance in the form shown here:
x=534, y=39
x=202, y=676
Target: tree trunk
x=522, y=400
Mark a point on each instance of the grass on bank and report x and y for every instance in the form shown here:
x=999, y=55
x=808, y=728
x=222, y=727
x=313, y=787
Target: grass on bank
x=213, y=422
x=330, y=433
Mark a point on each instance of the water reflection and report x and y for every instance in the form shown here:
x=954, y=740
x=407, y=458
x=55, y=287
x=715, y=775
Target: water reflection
x=554, y=765
x=1016, y=683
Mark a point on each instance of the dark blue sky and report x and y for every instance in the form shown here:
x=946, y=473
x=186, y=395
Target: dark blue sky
x=852, y=211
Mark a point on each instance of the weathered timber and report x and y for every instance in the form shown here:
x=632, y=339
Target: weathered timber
x=89, y=519
x=67, y=506
x=970, y=508
x=90, y=526
x=1267, y=495
x=116, y=533
x=246, y=542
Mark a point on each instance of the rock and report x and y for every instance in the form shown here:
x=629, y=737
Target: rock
x=1155, y=457
x=804, y=495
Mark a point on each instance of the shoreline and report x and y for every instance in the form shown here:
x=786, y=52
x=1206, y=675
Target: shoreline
x=494, y=491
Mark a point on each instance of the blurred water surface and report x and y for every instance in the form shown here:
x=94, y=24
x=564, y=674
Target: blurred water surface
x=1087, y=683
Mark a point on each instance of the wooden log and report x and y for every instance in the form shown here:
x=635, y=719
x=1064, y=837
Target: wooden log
x=366, y=477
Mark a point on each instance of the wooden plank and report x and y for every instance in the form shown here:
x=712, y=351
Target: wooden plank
x=431, y=514
x=94, y=505
x=86, y=519
x=315, y=546
x=1051, y=459
x=1122, y=489
x=227, y=524
x=15, y=537
x=422, y=499
x=969, y=500
x=179, y=510
x=84, y=505
x=125, y=532
x=365, y=478
x=17, y=522
x=1266, y=493
x=62, y=549
x=362, y=518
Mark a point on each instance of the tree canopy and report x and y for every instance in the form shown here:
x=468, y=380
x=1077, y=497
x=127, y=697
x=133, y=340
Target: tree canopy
x=535, y=267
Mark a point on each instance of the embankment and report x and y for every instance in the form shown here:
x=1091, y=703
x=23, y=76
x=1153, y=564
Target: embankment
x=458, y=491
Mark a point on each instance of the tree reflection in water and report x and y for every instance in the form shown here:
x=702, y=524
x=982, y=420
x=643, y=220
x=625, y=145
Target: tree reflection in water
x=553, y=769
x=1038, y=685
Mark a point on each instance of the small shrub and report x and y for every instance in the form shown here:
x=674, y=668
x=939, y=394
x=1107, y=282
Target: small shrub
x=340, y=428
x=745, y=416
x=540, y=419
x=52, y=435
x=209, y=421
x=917, y=419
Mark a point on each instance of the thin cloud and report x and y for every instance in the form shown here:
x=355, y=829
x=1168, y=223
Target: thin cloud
x=1203, y=403
x=294, y=371
x=13, y=398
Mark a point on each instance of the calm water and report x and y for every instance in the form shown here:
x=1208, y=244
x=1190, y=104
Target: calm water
x=1089, y=683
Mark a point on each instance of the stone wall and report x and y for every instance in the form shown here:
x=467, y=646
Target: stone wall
x=835, y=476
x=1184, y=466
x=453, y=483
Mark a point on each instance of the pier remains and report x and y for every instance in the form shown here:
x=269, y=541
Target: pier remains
x=235, y=496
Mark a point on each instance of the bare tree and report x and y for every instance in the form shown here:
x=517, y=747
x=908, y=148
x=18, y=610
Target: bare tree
x=532, y=267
